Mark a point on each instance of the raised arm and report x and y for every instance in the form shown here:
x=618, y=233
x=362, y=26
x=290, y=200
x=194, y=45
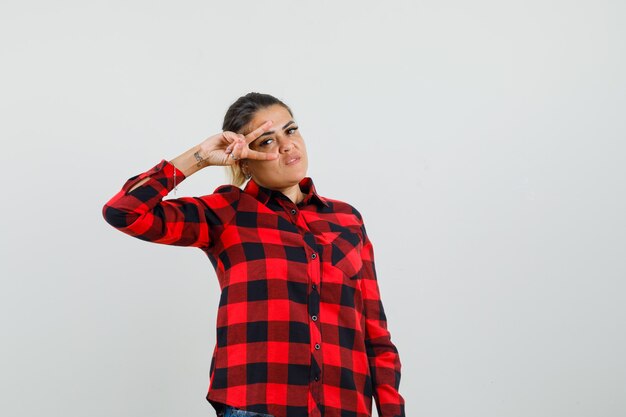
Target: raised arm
x=139, y=210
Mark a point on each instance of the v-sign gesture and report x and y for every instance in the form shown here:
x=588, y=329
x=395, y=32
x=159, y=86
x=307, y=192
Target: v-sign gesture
x=218, y=148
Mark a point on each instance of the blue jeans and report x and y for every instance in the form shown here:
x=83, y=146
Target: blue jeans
x=230, y=411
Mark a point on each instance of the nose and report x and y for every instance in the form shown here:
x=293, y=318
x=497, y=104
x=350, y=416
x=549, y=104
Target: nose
x=285, y=144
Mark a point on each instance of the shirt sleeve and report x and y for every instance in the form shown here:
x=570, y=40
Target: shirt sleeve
x=384, y=360
x=185, y=221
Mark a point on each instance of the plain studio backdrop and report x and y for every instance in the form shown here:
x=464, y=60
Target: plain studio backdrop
x=482, y=141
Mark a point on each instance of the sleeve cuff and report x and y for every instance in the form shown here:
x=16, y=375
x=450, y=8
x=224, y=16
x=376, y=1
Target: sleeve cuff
x=161, y=178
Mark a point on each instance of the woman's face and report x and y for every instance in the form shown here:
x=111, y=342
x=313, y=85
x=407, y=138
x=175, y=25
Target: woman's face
x=283, y=138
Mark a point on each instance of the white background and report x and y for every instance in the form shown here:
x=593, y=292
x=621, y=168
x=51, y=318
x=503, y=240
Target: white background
x=482, y=141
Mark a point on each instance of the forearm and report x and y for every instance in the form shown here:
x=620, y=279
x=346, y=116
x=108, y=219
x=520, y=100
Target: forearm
x=188, y=163
x=145, y=215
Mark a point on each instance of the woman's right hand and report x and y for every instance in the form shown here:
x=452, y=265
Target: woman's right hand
x=218, y=148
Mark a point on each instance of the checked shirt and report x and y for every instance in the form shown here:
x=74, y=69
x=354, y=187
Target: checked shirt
x=301, y=330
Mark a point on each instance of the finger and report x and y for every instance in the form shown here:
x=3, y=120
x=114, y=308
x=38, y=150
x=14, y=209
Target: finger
x=237, y=150
x=263, y=156
x=230, y=146
x=241, y=144
x=258, y=131
x=233, y=138
x=229, y=136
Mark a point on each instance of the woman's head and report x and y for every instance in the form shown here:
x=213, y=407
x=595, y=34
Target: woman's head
x=248, y=113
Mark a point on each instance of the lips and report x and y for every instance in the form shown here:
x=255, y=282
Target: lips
x=292, y=160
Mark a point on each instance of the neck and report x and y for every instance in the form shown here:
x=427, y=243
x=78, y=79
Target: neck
x=294, y=193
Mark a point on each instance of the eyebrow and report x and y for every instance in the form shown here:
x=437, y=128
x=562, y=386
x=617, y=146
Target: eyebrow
x=271, y=132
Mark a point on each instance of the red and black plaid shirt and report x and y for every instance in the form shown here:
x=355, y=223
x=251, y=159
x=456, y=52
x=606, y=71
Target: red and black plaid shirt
x=301, y=329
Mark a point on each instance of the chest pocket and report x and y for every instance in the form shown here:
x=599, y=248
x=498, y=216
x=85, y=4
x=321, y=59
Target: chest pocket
x=346, y=253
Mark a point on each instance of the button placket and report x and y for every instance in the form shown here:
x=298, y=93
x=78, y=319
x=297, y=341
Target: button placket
x=313, y=302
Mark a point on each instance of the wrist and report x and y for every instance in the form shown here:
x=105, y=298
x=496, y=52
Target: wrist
x=201, y=157
x=190, y=161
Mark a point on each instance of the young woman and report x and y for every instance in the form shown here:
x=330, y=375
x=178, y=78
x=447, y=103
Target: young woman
x=301, y=329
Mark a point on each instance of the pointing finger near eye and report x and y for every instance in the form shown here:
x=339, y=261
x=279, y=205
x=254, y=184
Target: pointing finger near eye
x=258, y=131
x=263, y=156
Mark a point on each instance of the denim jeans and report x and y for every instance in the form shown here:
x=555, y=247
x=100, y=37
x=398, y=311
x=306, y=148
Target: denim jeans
x=230, y=411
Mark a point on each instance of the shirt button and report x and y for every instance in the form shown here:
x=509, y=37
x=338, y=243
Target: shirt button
x=314, y=318
x=317, y=346
x=314, y=286
x=314, y=256
x=317, y=378
x=293, y=211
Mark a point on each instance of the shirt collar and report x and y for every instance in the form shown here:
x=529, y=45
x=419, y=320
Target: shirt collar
x=263, y=194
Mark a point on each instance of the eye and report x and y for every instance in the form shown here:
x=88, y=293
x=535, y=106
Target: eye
x=290, y=131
